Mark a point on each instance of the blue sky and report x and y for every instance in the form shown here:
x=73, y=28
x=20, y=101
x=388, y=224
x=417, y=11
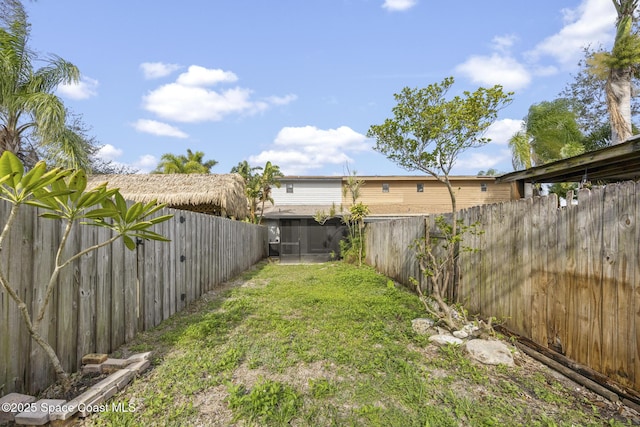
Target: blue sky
x=299, y=82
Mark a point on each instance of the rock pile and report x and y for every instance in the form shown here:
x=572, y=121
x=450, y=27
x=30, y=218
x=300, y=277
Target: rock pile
x=487, y=351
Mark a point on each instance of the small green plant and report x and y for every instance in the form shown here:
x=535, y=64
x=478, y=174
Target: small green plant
x=352, y=248
x=321, y=388
x=268, y=402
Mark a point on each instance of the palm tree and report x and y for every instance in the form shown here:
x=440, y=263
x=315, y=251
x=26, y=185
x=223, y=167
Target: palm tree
x=550, y=132
x=32, y=117
x=251, y=186
x=268, y=179
x=618, y=67
x=191, y=163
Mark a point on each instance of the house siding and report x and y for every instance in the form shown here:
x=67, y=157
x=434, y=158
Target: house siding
x=319, y=191
x=404, y=199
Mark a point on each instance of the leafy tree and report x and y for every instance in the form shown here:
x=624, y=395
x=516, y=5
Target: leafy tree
x=588, y=99
x=251, y=186
x=268, y=178
x=63, y=196
x=489, y=172
x=33, y=118
x=587, y=96
x=193, y=162
x=97, y=165
x=618, y=68
x=551, y=132
x=428, y=133
x=258, y=184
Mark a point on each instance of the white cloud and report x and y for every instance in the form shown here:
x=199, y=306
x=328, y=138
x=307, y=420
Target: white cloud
x=501, y=131
x=155, y=70
x=84, y=89
x=200, y=76
x=145, y=163
x=474, y=162
x=591, y=22
x=298, y=150
x=399, y=5
x=504, y=43
x=158, y=128
x=496, y=69
x=108, y=153
x=281, y=100
x=194, y=104
x=188, y=100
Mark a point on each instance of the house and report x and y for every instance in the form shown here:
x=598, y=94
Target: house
x=214, y=194
x=401, y=196
x=295, y=234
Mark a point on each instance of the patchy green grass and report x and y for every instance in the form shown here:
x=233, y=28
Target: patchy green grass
x=330, y=345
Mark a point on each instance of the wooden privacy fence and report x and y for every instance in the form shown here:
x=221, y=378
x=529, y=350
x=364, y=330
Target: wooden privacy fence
x=565, y=277
x=109, y=295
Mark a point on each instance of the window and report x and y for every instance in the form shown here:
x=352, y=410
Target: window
x=385, y=188
x=290, y=188
x=483, y=186
x=420, y=187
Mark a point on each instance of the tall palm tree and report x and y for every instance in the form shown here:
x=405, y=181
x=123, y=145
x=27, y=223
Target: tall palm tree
x=32, y=117
x=193, y=162
x=618, y=67
x=268, y=179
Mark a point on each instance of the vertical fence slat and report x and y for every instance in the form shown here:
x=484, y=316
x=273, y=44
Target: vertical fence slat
x=118, y=284
x=158, y=282
x=44, y=251
x=602, y=207
x=131, y=293
x=171, y=284
x=103, y=293
x=67, y=309
x=165, y=261
x=626, y=258
x=149, y=284
x=634, y=349
x=540, y=248
x=87, y=297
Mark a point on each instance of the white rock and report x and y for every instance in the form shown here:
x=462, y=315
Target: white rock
x=421, y=326
x=470, y=328
x=445, y=339
x=460, y=334
x=490, y=352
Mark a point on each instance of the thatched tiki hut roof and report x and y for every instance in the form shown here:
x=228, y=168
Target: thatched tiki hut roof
x=215, y=194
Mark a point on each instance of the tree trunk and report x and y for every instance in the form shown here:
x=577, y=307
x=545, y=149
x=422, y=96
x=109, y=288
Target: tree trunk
x=618, y=89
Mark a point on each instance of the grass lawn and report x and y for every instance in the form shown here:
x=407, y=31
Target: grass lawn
x=331, y=345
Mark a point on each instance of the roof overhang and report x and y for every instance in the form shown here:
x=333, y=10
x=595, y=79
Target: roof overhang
x=296, y=211
x=620, y=162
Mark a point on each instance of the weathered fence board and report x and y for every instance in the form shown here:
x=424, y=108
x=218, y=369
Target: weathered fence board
x=120, y=281
x=103, y=299
x=565, y=277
